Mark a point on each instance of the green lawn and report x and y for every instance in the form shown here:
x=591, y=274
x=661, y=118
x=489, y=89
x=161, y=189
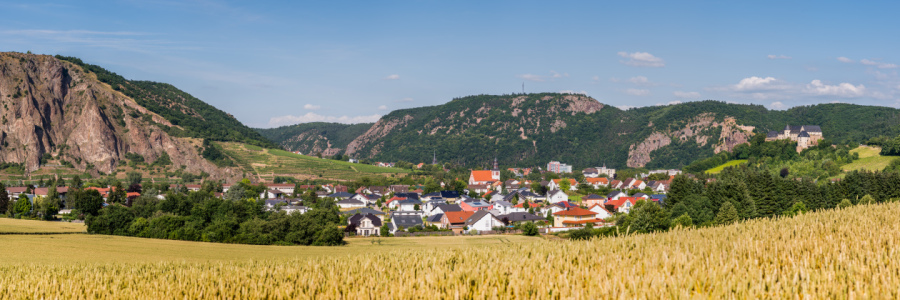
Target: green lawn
x=267, y=163
x=869, y=159
x=721, y=167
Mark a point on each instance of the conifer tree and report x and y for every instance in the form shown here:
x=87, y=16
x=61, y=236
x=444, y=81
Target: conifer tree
x=727, y=214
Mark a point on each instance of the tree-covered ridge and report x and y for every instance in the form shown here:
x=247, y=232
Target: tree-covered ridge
x=195, y=117
x=308, y=137
x=473, y=130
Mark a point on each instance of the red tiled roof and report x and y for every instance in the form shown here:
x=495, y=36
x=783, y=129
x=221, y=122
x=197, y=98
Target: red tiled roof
x=598, y=180
x=618, y=202
x=484, y=175
x=454, y=217
x=575, y=211
x=530, y=205
x=583, y=221
x=571, y=181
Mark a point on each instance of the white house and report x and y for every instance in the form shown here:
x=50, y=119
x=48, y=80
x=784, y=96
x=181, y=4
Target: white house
x=482, y=221
x=555, y=196
x=502, y=207
x=602, y=213
x=291, y=209
x=554, y=184
x=351, y=203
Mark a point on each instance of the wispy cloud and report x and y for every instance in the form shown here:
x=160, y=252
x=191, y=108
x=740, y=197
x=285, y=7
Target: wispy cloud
x=314, y=117
x=686, y=95
x=531, y=77
x=312, y=107
x=638, y=92
x=554, y=74
x=392, y=77
x=642, y=59
x=382, y=107
x=119, y=40
x=773, y=56
x=404, y=100
x=880, y=65
x=641, y=81
x=844, y=60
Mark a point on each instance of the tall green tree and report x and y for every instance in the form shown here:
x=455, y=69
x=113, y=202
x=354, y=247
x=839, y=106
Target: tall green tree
x=727, y=214
x=4, y=199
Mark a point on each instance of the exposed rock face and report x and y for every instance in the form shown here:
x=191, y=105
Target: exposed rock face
x=53, y=106
x=731, y=135
x=381, y=128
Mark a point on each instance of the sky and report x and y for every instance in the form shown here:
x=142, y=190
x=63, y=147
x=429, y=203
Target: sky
x=274, y=63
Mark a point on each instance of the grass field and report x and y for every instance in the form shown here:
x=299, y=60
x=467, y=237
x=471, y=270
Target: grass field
x=869, y=159
x=823, y=255
x=268, y=163
x=730, y=163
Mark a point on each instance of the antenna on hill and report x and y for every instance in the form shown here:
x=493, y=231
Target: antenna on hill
x=523, y=88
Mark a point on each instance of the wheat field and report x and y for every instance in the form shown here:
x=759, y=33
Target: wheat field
x=848, y=253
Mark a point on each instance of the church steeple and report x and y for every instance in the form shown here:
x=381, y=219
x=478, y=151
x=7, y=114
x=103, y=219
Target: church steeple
x=434, y=157
x=496, y=166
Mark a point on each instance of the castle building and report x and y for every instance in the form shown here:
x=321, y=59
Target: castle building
x=804, y=135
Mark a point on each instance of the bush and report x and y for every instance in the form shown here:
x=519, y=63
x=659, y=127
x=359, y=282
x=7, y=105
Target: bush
x=684, y=221
x=529, y=229
x=845, y=203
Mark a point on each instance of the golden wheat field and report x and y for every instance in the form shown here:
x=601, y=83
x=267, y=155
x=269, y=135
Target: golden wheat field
x=849, y=253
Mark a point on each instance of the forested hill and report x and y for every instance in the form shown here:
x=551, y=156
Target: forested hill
x=194, y=117
x=327, y=138
x=532, y=129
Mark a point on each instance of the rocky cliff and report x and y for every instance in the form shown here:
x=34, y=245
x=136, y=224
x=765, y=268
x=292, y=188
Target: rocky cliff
x=55, y=107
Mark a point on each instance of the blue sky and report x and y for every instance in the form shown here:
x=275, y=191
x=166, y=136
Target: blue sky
x=279, y=63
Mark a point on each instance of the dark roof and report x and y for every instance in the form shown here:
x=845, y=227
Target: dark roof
x=772, y=134
x=614, y=193
x=639, y=195
x=477, y=216
x=350, y=201
x=520, y=216
x=590, y=170
x=592, y=196
x=273, y=202
x=812, y=128
x=355, y=219
x=449, y=207
x=341, y=195
x=363, y=210
x=449, y=194
x=435, y=194
x=803, y=134
x=407, y=195
x=406, y=220
x=502, y=203
x=436, y=218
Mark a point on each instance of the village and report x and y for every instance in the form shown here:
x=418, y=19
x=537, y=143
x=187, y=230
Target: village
x=487, y=205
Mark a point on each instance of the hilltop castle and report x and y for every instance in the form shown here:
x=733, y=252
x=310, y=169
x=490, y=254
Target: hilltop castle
x=804, y=135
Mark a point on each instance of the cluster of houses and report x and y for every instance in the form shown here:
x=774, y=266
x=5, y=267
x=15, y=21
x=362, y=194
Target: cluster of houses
x=500, y=203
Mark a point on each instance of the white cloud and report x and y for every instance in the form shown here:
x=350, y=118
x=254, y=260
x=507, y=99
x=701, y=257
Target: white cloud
x=674, y=102
x=531, y=77
x=407, y=99
x=392, y=77
x=878, y=64
x=555, y=74
x=641, y=80
x=777, y=105
x=844, y=60
x=314, y=117
x=688, y=95
x=751, y=84
x=625, y=107
x=642, y=59
x=773, y=56
x=637, y=92
x=846, y=90
x=312, y=107
x=383, y=107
